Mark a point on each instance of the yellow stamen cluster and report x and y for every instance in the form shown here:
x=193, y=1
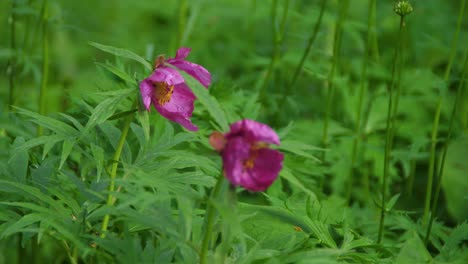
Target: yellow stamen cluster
x=163, y=92
x=250, y=162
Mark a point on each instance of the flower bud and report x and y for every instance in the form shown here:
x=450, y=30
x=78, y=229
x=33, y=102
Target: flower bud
x=402, y=8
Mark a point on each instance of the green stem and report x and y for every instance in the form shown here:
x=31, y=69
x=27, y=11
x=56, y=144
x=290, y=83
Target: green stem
x=183, y=9
x=45, y=65
x=209, y=220
x=430, y=176
x=435, y=127
x=445, y=147
x=375, y=40
x=12, y=62
x=277, y=40
x=389, y=129
x=360, y=100
x=455, y=40
x=335, y=62
x=113, y=173
x=309, y=44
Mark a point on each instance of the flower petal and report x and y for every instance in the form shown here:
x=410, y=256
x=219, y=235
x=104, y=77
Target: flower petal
x=236, y=151
x=195, y=70
x=179, y=109
x=167, y=75
x=182, y=53
x=267, y=166
x=253, y=131
x=146, y=90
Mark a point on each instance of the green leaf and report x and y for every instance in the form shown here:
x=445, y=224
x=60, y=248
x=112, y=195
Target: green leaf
x=211, y=104
x=22, y=223
x=119, y=52
x=299, y=148
x=18, y=163
x=118, y=72
x=413, y=251
x=55, y=125
x=454, y=180
x=66, y=150
x=392, y=202
x=106, y=109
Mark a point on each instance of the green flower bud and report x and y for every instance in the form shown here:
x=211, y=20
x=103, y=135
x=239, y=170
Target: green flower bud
x=402, y=8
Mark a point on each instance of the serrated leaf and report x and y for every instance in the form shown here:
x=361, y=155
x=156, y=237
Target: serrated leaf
x=119, y=52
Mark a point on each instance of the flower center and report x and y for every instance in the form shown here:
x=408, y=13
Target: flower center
x=249, y=163
x=163, y=92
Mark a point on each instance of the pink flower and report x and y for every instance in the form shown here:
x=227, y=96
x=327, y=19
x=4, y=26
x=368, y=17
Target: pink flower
x=167, y=91
x=247, y=159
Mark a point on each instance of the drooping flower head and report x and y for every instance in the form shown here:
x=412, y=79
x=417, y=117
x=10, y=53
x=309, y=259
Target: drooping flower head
x=167, y=91
x=247, y=159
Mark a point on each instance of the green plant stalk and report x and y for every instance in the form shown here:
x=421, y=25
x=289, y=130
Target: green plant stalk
x=360, y=100
x=435, y=127
x=277, y=40
x=455, y=40
x=389, y=130
x=12, y=62
x=375, y=40
x=113, y=172
x=183, y=9
x=310, y=42
x=335, y=62
x=45, y=65
x=458, y=97
x=430, y=176
x=209, y=220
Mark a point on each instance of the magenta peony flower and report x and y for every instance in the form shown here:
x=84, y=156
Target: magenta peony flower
x=167, y=91
x=247, y=159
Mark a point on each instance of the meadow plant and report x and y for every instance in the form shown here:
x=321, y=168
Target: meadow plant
x=332, y=132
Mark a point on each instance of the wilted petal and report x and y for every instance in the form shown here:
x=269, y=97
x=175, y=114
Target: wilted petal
x=196, y=71
x=253, y=131
x=267, y=166
x=180, y=107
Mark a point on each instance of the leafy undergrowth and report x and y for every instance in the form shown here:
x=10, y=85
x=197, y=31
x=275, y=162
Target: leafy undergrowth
x=326, y=205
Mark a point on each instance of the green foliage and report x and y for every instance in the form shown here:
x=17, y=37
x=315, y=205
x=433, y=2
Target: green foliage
x=54, y=186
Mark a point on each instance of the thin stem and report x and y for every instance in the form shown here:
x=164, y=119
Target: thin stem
x=335, y=62
x=309, y=44
x=435, y=126
x=455, y=41
x=183, y=9
x=389, y=130
x=277, y=40
x=12, y=62
x=360, y=99
x=375, y=40
x=430, y=176
x=445, y=147
x=113, y=173
x=45, y=65
x=209, y=220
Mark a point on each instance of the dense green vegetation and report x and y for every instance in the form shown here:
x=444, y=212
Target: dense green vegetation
x=368, y=98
